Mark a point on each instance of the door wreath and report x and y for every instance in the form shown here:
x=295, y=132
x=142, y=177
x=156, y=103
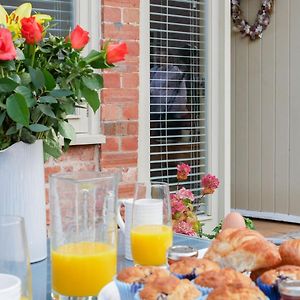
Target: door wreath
x=262, y=20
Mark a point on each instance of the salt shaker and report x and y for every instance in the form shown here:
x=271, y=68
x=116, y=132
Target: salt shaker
x=176, y=253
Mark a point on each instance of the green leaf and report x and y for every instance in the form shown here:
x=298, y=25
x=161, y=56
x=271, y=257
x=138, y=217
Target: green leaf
x=35, y=114
x=7, y=85
x=37, y=77
x=61, y=93
x=2, y=117
x=66, y=145
x=66, y=130
x=97, y=60
x=15, y=78
x=11, y=130
x=94, y=82
x=52, y=148
x=25, y=78
x=49, y=80
x=68, y=107
x=27, y=94
x=38, y=128
x=47, y=99
x=93, y=56
x=27, y=136
x=46, y=109
x=249, y=223
x=9, y=65
x=91, y=97
x=17, y=109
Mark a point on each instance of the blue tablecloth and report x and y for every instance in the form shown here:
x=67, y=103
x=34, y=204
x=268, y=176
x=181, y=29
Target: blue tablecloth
x=41, y=278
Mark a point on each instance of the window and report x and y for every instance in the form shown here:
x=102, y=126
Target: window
x=66, y=14
x=178, y=98
x=61, y=10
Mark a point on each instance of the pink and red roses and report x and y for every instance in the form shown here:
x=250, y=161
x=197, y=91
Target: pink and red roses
x=184, y=228
x=209, y=184
x=183, y=171
x=184, y=219
x=7, y=48
x=31, y=30
x=116, y=53
x=78, y=38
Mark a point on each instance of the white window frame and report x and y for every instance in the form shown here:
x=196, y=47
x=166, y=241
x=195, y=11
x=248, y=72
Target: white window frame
x=87, y=15
x=219, y=28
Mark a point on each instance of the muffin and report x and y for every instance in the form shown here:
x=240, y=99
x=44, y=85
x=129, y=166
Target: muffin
x=268, y=281
x=217, y=278
x=130, y=279
x=190, y=267
x=290, y=252
x=169, y=288
x=257, y=273
x=236, y=292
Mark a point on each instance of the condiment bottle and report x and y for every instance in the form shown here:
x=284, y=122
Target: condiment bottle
x=176, y=253
x=289, y=289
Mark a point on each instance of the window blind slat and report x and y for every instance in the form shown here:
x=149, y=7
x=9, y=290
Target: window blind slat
x=178, y=99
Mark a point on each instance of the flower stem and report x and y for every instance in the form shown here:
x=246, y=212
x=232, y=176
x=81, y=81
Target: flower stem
x=33, y=49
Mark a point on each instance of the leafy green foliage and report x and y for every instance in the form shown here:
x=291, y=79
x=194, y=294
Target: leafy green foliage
x=42, y=87
x=248, y=222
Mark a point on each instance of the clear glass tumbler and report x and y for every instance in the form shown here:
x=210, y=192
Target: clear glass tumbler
x=151, y=227
x=14, y=259
x=83, y=233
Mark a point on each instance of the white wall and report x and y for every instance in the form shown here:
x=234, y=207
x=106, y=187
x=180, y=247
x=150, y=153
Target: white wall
x=266, y=113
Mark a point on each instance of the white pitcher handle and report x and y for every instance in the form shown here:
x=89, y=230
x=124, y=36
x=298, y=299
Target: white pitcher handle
x=120, y=221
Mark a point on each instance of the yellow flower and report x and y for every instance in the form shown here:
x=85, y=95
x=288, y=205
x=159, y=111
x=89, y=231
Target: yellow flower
x=13, y=21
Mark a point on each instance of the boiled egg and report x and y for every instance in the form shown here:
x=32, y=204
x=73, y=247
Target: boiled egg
x=233, y=220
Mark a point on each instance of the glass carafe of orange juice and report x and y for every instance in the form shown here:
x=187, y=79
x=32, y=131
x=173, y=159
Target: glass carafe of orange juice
x=83, y=233
x=151, y=229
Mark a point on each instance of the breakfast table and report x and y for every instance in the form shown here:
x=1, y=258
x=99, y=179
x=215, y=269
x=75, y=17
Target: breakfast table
x=41, y=277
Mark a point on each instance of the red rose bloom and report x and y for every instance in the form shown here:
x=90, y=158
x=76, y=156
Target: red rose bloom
x=31, y=30
x=115, y=53
x=79, y=38
x=7, y=48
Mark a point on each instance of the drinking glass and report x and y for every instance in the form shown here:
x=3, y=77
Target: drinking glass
x=83, y=233
x=151, y=227
x=14, y=260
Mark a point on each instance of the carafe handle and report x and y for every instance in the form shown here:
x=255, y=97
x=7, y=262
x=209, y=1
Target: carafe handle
x=120, y=221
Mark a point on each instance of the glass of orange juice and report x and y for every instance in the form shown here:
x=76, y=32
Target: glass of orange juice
x=151, y=227
x=83, y=233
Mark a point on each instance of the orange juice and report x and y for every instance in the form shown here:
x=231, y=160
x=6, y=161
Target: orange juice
x=149, y=244
x=82, y=269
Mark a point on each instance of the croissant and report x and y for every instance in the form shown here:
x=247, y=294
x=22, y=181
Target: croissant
x=290, y=252
x=243, y=250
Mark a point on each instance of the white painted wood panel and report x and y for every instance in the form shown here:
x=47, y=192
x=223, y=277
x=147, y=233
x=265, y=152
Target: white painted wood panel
x=241, y=127
x=233, y=105
x=266, y=114
x=254, y=115
x=294, y=187
x=268, y=120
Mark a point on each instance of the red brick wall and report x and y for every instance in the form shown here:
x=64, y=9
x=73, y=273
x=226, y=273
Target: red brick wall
x=119, y=108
